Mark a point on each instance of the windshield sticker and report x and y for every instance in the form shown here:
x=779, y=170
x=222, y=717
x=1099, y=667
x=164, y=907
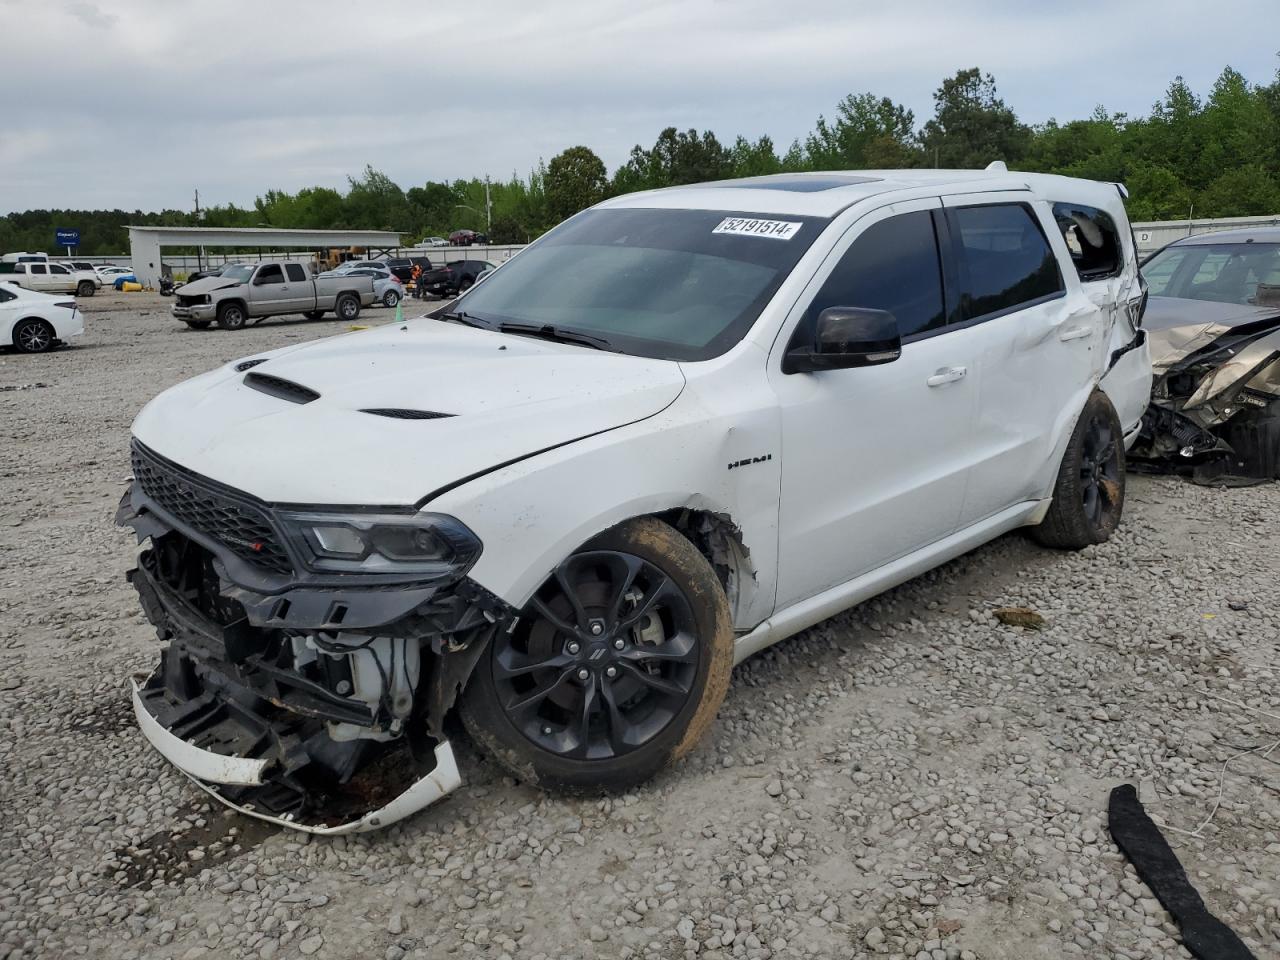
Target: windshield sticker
x=773, y=229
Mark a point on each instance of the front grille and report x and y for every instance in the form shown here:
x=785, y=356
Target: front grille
x=206, y=508
x=189, y=301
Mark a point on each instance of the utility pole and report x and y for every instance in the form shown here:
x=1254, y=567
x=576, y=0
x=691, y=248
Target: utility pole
x=488, y=208
x=199, y=250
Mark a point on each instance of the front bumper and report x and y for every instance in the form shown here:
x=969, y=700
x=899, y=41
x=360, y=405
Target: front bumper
x=263, y=699
x=200, y=311
x=214, y=772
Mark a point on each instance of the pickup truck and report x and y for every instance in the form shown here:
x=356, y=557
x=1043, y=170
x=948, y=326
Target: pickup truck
x=269, y=289
x=50, y=278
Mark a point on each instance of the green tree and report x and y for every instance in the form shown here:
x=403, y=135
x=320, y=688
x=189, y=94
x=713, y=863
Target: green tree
x=971, y=125
x=757, y=158
x=375, y=202
x=867, y=132
x=576, y=179
x=675, y=158
x=1244, y=191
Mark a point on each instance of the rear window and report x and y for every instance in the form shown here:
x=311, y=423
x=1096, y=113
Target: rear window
x=1092, y=238
x=1005, y=262
x=295, y=272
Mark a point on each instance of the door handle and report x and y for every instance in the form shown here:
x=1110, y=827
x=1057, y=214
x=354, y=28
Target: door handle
x=947, y=375
x=1074, y=333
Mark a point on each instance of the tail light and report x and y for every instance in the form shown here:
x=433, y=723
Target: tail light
x=69, y=304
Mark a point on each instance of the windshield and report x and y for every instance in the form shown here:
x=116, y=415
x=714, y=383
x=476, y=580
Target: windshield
x=668, y=284
x=1243, y=273
x=240, y=273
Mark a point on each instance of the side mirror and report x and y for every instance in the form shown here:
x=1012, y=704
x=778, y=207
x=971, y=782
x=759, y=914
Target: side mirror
x=847, y=337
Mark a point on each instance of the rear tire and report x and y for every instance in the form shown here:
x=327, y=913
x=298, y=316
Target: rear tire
x=85, y=288
x=347, y=307
x=34, y=336
x=390, y=298
x=616, y=668
x=1088, y=497
x=231, y=316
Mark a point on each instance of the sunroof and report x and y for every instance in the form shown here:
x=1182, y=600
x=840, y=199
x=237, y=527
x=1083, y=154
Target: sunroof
x=800, y=184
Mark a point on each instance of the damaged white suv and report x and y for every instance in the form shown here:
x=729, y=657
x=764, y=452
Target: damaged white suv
x=680, y=427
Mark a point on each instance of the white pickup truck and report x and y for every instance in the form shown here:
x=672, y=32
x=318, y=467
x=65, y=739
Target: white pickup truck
x=269, y=289
x=50, y=278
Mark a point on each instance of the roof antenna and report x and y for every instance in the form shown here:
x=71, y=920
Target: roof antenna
x=996, y=166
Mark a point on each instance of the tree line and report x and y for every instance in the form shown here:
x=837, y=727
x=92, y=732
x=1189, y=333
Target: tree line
x=1211, y=156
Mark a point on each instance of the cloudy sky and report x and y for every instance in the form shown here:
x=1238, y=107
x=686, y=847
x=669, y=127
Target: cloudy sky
x=135, y=103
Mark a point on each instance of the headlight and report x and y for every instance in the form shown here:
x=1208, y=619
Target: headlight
x=426, y=545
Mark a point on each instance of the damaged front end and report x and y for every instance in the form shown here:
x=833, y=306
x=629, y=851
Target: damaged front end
x=311, y=656
x=1215, y=405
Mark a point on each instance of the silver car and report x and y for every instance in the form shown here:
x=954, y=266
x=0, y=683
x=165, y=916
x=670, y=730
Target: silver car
x=387, y=287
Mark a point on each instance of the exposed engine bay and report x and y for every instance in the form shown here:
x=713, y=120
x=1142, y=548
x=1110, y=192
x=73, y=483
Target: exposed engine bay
x=1215, y=404
x=316, y=706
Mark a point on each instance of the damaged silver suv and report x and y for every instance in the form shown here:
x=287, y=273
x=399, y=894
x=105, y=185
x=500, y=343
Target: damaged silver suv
x=680, y=427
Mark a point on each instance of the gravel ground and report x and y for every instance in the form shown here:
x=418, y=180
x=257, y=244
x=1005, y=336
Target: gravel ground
x=912, y=778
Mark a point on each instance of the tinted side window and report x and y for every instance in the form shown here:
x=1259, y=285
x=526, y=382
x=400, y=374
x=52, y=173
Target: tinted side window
x=270, y=274
x=1092, y=238
x=6, y=295
x=37, y=268
x=892, y=266
x=1004, y=259
x=295, y=271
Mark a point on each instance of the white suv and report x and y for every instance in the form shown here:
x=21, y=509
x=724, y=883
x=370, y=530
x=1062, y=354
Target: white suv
x=678, y=428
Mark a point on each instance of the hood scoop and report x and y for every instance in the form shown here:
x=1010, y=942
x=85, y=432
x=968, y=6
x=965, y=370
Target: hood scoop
x=402, y=413
x=280, y=388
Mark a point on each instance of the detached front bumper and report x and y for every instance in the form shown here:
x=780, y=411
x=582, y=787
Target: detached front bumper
x=315, y=706
x=214, y=773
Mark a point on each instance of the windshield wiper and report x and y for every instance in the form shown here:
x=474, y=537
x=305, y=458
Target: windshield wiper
x=466, y=319
x=547, y=331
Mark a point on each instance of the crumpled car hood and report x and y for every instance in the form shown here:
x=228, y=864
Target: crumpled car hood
x=206, y=285
x=1227, y=344
x=507, y=397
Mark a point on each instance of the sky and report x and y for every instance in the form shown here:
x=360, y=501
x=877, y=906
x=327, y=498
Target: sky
x=135, y=104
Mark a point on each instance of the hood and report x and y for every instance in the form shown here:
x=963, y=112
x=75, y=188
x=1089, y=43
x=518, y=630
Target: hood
x=1177, y=328
x=504, y=398
x=207, y=285
x=1226, y=350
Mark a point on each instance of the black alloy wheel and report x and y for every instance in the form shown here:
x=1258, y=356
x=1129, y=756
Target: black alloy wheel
x=1100, y=470
x=607, y=662
x=34, y=336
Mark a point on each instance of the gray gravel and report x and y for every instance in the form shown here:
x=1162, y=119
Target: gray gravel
x=910, y=779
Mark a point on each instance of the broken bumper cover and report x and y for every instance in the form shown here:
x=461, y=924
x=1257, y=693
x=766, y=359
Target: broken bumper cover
x=214, y=773
x=316, y=706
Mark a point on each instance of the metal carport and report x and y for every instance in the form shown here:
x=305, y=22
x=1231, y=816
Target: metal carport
x=145, y=243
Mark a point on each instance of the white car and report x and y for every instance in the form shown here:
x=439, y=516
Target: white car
x=680, y=427
x=33, y=322
x=108, y=274
x=434, y=242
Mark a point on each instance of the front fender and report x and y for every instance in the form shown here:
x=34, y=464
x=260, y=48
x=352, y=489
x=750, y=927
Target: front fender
x=534, y=513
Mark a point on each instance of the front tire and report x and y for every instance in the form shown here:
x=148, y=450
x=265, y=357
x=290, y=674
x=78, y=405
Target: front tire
x=85, y=288
x=34, y=336
x=616, y=668
x=347, y=308
x=232, y=316
x=1088, y=498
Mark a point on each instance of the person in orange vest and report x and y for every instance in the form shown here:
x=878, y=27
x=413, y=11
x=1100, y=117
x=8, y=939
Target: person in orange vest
x=416, y=274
